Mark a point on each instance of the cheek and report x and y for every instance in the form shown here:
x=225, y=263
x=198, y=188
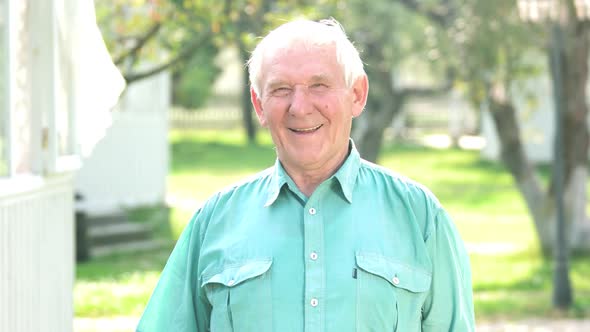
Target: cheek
x=268, y=114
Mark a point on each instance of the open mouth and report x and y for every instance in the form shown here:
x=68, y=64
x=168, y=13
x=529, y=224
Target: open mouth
x=305, y=130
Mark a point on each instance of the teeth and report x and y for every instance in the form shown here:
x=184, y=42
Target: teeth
x=306, y=130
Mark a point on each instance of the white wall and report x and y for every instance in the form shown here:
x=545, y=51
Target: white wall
x=36, y=254
x=129, y=166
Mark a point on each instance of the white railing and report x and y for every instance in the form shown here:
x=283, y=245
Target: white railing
x=36, y=254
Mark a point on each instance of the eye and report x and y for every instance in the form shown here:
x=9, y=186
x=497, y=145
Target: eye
x=281, y=91
x=318, y=87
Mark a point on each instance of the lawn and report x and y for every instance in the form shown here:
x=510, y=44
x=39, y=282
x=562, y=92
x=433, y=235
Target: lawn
x=511, y=279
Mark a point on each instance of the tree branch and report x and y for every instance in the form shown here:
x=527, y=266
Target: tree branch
x=183, y=55
x=139, y=44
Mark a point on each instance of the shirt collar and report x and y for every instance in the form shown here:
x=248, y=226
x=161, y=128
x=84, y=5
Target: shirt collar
x=346, y=176
x=348, y=172
x=277, y=181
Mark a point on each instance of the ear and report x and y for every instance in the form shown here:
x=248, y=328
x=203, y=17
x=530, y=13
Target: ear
x=257, y=103
x=360, y=91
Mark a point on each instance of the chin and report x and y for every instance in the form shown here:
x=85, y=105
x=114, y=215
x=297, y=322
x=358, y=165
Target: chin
x=301, y=160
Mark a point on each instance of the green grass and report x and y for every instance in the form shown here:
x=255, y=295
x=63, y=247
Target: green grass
x=511, y=279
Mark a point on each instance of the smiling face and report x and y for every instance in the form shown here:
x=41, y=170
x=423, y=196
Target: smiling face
x=307, y=107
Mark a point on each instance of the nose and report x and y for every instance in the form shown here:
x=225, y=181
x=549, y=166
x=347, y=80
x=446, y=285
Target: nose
x=300, y=101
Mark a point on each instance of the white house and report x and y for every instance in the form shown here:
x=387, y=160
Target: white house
x=57, y=84
x=128, y=167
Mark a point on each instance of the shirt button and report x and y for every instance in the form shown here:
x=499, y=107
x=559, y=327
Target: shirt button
x=312, y=211
x=395, y=280
x=231, y=282
x=314, y=302
x=313, y=256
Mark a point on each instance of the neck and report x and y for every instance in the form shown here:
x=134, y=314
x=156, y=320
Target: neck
x=308, y=178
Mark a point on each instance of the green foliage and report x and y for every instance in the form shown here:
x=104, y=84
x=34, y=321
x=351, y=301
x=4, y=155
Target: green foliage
x=489, y=43
x=181, y=29
x=394, y=35
x=192, y=84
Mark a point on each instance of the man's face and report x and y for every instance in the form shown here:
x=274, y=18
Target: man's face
x=307, y=107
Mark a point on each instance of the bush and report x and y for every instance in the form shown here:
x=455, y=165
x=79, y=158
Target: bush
x=192, y=84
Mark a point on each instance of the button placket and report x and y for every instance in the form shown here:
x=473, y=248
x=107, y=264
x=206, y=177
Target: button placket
x=313, y=224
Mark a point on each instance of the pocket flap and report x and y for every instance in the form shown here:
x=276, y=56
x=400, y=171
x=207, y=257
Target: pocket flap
x=398, y=274
x=234, y=274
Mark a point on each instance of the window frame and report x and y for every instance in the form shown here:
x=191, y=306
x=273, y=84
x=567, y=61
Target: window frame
x=5, y=108
x=46, y=92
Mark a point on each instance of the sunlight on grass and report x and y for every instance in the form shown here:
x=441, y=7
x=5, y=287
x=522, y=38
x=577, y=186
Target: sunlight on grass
x=108, y=297
x=180, y=217
x=118, y=285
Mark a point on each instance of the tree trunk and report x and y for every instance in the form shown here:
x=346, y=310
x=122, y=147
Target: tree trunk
x=369, y=128
x=540, y=203
x=575, y=132
x=246, y=104
x=513, y=156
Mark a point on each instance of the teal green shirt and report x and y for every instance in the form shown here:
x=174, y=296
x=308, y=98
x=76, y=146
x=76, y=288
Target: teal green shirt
x=369, y=250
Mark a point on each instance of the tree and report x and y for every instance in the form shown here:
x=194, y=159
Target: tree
x=192, y=82
x=400, y=35
x=494, y=40
x=165, y=34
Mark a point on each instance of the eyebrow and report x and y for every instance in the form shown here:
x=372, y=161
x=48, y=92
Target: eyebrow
x=315, y=78
x=273, y=84
x=320, y=78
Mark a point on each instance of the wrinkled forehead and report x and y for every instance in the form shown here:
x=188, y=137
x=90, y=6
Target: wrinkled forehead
x=301, y=54
x=299, y=47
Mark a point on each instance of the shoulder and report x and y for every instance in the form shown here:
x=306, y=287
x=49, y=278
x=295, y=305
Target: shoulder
x=254, y=186
x=376, y=175
x=234, y=198
x=255, y=182
x=247, y=191
x=416, y=200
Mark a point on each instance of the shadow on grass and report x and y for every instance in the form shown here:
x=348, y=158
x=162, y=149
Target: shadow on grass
x=537, y=278
x=529, y=294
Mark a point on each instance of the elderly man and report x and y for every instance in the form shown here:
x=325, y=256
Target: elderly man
x=322, y=241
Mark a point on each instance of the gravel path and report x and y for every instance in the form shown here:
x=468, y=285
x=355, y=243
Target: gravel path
x=127, y=324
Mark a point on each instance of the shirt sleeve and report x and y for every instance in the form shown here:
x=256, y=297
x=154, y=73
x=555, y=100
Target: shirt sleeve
x=449, y=303
x=177, y=303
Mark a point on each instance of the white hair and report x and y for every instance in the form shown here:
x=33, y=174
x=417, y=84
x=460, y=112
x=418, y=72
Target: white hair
x=308, y=33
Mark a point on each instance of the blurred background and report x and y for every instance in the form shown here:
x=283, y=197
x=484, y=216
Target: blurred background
x=484, y=102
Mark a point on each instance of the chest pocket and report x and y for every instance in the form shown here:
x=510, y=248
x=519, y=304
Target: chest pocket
x=240, y=296
x=390, y=294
